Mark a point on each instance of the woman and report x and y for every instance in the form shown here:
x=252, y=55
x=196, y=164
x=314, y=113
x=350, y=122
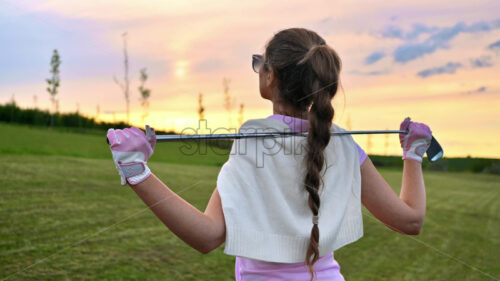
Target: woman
x=264, y=197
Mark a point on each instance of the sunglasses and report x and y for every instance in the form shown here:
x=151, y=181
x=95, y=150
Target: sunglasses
x=257, y=62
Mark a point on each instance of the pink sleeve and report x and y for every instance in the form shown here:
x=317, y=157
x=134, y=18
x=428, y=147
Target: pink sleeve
x=362, y=154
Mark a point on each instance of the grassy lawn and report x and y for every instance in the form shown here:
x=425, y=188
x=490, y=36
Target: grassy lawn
x=63, y=215
x=44, y=141
x=75, y=210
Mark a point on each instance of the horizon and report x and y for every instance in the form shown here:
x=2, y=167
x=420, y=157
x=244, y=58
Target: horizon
x=435, y=62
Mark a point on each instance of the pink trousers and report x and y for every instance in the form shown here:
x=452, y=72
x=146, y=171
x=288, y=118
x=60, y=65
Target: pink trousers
x=326, y=268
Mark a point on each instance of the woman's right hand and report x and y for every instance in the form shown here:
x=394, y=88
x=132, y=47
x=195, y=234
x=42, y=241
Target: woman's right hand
x=417, y=141
x=131, y=149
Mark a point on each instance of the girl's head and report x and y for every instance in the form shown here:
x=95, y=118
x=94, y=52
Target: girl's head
x=296, y=63
x=300, y=71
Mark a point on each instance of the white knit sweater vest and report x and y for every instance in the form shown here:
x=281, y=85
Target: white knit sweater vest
x=265, y=203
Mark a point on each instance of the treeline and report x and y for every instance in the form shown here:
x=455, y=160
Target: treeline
x=75, y=122
x=467, y=164
x=12, y=113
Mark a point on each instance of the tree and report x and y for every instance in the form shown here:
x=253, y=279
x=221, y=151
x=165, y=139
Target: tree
x=240, y=114
x=145, y=93
x=201, y=108
x=54, y=83
x=125, y=84
x=228, y=101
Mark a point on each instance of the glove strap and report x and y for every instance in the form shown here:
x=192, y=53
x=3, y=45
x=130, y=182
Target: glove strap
x=132, y=169
x=135, y=172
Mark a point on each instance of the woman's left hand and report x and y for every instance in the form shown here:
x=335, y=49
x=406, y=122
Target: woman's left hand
x=131, y=149
x=416, y=142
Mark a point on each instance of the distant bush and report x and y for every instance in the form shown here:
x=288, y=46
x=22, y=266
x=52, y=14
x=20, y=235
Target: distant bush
x=11, y=113
x=386, y=161
x=441, y=165
x=475, y=165
x=494, y=168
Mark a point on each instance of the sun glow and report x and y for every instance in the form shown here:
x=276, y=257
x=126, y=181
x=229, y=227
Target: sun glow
x=181, y=68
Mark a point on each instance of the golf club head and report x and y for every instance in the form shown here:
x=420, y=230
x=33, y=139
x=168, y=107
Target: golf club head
x=434, y=152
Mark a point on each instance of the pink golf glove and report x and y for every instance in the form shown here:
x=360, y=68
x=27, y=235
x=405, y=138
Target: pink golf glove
x=131, y=149
x=417, y=141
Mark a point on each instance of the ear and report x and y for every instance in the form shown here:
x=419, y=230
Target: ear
x=270, y=78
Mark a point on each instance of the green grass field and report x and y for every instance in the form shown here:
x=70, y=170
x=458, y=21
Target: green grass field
x=64, y=216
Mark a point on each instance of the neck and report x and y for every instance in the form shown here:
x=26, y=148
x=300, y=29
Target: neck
x=288, y=110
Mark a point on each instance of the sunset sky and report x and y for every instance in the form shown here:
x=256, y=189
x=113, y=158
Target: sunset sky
x=435, y=61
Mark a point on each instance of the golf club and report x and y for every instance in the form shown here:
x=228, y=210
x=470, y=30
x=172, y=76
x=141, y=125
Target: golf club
x=434, y=152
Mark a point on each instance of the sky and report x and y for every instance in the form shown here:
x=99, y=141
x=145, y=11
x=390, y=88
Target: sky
x=437, y=62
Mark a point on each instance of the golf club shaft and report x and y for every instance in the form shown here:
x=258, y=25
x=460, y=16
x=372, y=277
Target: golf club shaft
x=169, y=138
x=434, y=152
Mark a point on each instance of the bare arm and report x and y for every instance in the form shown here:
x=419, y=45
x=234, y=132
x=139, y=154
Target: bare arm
x=405, y=213
x=202, y=231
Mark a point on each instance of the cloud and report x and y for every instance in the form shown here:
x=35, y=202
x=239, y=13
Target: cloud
x=410, y=52
x=483, y=61
x=419, y=29
x=480, y=26
x=369, y=73
x=450, y=68
x=393, y=31
x=374, y=57
x=476, y=91
x=494, y=46
x=445, y=34
x=439, y=37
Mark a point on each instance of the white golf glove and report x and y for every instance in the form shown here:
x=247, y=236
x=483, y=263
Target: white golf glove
x=131, y=149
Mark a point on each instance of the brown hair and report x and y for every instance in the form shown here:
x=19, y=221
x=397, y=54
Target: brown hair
x=307, y=70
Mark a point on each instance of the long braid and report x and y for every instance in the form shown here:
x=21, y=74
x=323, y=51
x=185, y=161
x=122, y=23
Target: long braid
x=318, y=138
x=308, y=74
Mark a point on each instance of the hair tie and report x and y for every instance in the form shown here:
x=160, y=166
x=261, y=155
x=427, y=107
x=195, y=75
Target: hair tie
x=309, y=52
x=313, y=48
x=315, y=219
